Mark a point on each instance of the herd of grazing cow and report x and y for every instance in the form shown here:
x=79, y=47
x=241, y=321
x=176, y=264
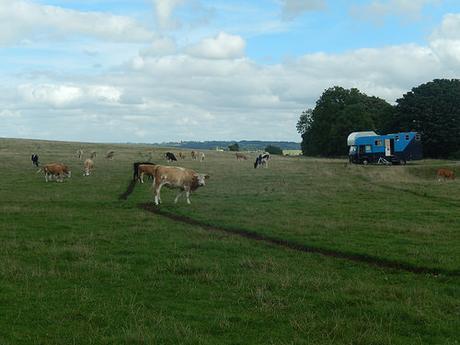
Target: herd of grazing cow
x=186, y=180
x=171, y=157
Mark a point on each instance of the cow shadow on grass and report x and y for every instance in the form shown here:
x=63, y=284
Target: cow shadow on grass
x=129, y=190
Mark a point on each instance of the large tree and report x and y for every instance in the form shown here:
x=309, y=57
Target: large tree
x=433, y=109
x=339, y=112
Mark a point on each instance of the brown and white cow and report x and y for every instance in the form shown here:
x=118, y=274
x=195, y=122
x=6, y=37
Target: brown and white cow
x=57, y=170
x=202, y=156
x=146, y=169
x=186, y=180
x=445, y=174
x=88, y=165
x=240, y=156
x=181, y=155
x=110, y=154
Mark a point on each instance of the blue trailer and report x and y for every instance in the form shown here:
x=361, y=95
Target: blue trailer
x=397, y=148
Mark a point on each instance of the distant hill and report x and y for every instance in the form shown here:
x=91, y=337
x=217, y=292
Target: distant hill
x=245, y=145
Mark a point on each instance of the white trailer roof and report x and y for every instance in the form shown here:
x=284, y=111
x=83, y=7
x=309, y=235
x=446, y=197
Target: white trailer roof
x=352, y=137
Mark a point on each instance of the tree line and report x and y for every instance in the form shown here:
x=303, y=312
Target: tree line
x=432, y=109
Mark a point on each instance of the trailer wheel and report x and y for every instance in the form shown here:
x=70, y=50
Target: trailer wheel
x=365, y=161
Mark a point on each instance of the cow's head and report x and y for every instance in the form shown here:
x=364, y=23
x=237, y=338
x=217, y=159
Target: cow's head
x=201, y=178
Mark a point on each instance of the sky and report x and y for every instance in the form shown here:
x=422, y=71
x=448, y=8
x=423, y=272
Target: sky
x=172, y=70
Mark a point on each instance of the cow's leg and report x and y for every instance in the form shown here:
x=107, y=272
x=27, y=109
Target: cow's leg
x=178, y=196
x=157, y=194
x=142, y=177
x=46, y=176
x=187, y=194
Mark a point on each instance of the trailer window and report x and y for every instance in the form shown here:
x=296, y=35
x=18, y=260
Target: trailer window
x=378, y=143
x=407, y=136
x=368, y=148
x=418, y=137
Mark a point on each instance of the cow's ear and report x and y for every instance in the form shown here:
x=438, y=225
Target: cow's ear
x=206, y=176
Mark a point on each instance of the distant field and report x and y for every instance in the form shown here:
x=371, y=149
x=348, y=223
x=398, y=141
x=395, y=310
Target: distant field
x=292, y=152
x=80, y=266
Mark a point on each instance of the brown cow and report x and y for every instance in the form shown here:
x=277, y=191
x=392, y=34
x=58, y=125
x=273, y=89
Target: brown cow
x=88, y=165
x=145, y=169
x=181, y=155
x=445, y=174
x=57, y=170
x=240, y=156
x=194, y=155
x=80, y=153
x=186, y=180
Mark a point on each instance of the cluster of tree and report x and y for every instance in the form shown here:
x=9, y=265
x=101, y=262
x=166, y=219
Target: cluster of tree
x=234, y=147
x=273, y=150
x=432, y=109
x=244, y=145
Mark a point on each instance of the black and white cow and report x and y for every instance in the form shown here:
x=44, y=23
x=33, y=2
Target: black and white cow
x=34, y=159
x=170, y=156
x=262, y=160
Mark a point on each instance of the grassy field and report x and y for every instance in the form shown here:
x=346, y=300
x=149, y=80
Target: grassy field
x=80, y=266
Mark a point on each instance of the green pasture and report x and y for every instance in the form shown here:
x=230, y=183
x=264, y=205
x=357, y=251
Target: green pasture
x=80, y=266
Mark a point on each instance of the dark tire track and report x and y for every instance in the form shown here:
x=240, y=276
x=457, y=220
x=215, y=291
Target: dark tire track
x=441, y=200
x=359, y=258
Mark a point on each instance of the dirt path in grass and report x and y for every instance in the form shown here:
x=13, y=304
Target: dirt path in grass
x=360, y=258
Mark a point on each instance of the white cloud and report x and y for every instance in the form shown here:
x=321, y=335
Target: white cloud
x=211, y=90
x=159, y=47
x=223, y=46
x=22, y=20
x=55, y=95
x=104, y=93
x=449, y=28
x=379, y=10
x=445, y=41
x=68, y=95
x=163, y=12
x=294, y=8
x=6, y=114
